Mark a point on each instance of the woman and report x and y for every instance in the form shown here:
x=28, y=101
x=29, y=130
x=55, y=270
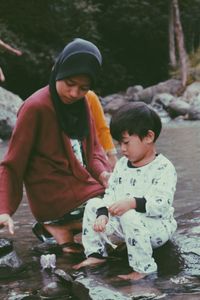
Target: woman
x=54, y=150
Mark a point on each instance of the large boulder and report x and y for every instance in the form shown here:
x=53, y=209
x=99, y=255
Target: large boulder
x=9, y=105
x=10, y=263
x=194, y=112
x=191, y=92
x=113, y=102
x=178, y=107
x=171, y=86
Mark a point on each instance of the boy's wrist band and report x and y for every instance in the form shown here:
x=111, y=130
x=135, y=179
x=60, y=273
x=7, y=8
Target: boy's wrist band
x=102, y=211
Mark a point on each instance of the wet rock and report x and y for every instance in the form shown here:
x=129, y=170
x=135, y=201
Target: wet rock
x=11, y=260
x=80, y=291
x=9, y=105
x=6, y=246
x=10, y=263
x=76, y=289
x=64, y=277
x=169, y=259
x=55, y=290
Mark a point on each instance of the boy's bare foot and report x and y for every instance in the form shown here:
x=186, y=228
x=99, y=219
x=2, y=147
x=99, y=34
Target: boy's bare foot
x=88, y=262
x=133, y=276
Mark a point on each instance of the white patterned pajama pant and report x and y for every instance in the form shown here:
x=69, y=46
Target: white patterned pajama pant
x=140, y=233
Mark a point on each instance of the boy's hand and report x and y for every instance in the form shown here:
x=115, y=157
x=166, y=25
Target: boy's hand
x=6, y=220
x=100, y=223
x=120, y=207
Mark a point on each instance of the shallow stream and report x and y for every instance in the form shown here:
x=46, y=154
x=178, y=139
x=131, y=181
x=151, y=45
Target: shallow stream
x=177, y=279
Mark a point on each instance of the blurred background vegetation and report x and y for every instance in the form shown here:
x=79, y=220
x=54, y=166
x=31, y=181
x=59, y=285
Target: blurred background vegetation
x=131, y=34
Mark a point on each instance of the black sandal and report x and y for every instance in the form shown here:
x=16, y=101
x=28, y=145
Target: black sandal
x=42, y=234
x=72, y=245
x=57, y=249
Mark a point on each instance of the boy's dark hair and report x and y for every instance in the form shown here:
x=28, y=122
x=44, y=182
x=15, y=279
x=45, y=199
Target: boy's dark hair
x=136, y=118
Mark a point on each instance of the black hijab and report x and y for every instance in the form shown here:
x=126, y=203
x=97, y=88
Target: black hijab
x=80, y=57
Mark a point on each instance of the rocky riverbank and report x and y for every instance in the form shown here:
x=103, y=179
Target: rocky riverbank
x=179, y=262
x=167, y=98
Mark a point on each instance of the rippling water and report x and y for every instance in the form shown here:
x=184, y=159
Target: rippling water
x=180, y=142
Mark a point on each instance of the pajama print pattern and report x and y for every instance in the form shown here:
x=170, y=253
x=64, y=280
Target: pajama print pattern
x=142, y=231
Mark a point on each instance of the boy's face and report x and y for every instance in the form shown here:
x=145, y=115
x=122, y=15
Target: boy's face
x=138, y=151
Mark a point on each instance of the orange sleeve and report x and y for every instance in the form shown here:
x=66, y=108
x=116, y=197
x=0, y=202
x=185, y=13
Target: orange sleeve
x=103, y=131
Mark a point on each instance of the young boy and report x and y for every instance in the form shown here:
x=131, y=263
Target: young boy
x=137, y=206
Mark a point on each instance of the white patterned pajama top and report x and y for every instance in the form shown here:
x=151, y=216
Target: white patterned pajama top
x=142, y=231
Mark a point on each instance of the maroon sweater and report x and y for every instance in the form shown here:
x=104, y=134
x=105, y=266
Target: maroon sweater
x=40, y=156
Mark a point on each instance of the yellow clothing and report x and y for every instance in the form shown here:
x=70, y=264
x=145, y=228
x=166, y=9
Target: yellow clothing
x=103, y=131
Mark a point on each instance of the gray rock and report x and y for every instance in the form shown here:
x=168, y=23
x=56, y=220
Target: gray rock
x=9, y=105
x=55, y=290
x=6, y=246
x=171, y=86
x=114, y=103
x=163, y=99
x=178, y=107
x=80, y=291
x=194, y=112
x=63, y=276
x=11, y=260
x=192, y=92
x=10, y=263
x=132, y=90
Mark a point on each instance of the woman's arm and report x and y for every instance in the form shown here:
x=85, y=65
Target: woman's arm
x=13, y=166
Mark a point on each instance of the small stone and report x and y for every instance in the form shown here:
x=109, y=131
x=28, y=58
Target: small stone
x=55, y=290
x=6, y=246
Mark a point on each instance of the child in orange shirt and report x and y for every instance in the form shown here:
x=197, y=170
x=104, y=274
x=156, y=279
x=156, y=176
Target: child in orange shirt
x=103, y=131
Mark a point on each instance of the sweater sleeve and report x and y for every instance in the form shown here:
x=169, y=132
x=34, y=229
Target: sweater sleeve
x=96, y=157
x=103, y=131
x=13, y=166
x=110, y=195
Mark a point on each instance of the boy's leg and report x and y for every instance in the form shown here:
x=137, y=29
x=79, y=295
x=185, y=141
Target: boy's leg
x=93, y=242
x=141, y=235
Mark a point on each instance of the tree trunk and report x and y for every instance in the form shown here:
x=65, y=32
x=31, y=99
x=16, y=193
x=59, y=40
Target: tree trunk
x=172, y=47
x=180, y=43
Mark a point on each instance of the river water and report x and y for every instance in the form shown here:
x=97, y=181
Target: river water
x=180, y=142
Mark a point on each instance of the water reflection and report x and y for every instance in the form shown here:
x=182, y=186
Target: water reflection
x=178, y=276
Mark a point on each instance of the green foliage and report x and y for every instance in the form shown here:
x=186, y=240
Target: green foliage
x=132, y=35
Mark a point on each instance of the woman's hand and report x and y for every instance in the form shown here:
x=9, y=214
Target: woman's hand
x=100, y=223
x=6, y=220
x=104, y=177
x=120, y=207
